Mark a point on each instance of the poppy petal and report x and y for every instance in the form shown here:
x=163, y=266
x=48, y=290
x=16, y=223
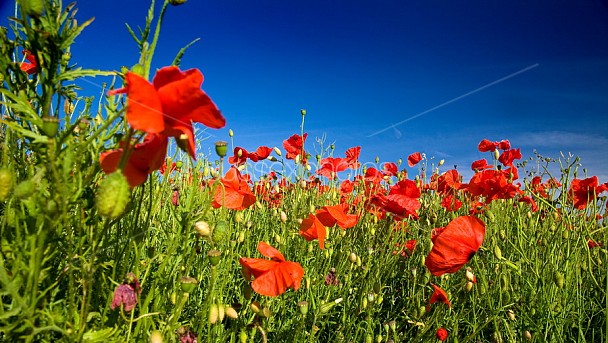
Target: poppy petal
x=455, y=245
x=144, y=108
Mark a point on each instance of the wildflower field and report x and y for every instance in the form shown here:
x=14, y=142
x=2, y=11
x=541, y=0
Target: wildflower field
x=114, y=229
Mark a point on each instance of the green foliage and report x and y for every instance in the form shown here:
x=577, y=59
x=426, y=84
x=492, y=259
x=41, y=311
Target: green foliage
x=62, y=257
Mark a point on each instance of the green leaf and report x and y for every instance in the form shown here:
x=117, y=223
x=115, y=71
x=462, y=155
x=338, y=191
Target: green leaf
x=99, y=335
x=178, y=58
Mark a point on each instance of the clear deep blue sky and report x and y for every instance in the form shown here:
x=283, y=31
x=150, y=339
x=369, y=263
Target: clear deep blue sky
x=361, y=66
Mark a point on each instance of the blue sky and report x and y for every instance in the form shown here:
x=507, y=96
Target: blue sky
x=358, y=67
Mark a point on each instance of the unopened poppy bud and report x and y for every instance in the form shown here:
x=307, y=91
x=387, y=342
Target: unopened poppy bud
x=255, y=307
x=68, y=107
x=177, y=2
x=7, y=181
x=392, y=325
x=497, y=252
x=469, y=275
x=496, y=154
x=230, y=133
x=352, y=257
x=65, y=58
x=50, y=126
x=182, y=142
x=371, y=297
x=303, y=306
x=528, y=335
x=303, y=112
x=221, y=232
x=188, y=284
x=469, y=286
x=297, y=159
x=377, y=159
x=156, y=337
x=138, y=69
x=308, y=167
x=441, y=162
x=243, y=337
x=359, y=263
x=202, y=229
x=277, y=151
x=231, y=312
x=558, y=278
x=247, y=291
x=239, y=153
x=511, y=314
x=364, y=303
x=324, y=308
x=221, y=312
x=113, y=195
x=213, y=314
x=179, y=164
x=214, y=257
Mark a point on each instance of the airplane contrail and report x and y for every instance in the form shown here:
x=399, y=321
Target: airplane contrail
x=456, y=98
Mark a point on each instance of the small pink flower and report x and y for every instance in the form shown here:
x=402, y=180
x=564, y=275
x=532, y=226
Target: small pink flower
x=126, y=293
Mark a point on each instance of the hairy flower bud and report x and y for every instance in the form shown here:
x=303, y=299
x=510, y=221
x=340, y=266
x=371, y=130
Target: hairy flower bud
x=7, y=181
x=113, y=195
x=177, y=2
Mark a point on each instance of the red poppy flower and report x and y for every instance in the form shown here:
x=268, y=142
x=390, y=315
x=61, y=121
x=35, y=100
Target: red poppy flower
x=451, y=203
x=455, y=245
x=170, y=104
x=413, y=159
x=448, y=182
x=374, y=175
x=528, y=200
x=312, y=228
x=441, y=334
x=480, y=165
x=272, y=277
x=331, y=166
x=593, y=244
x=260, y=153
x=391, y=169
x=508, y=156
x=239, y=157
x=233, y=192
x=294, y=146
x=145, y=158
x=352, y=157
x=492, y=184
x=582, y=191
x=332, y=215
x=439, y=295
x=31, y=67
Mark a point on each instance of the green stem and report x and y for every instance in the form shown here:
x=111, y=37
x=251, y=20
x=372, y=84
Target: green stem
x=150, y=52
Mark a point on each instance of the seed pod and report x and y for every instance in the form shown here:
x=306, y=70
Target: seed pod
x=7, y=181
x=113, y=195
